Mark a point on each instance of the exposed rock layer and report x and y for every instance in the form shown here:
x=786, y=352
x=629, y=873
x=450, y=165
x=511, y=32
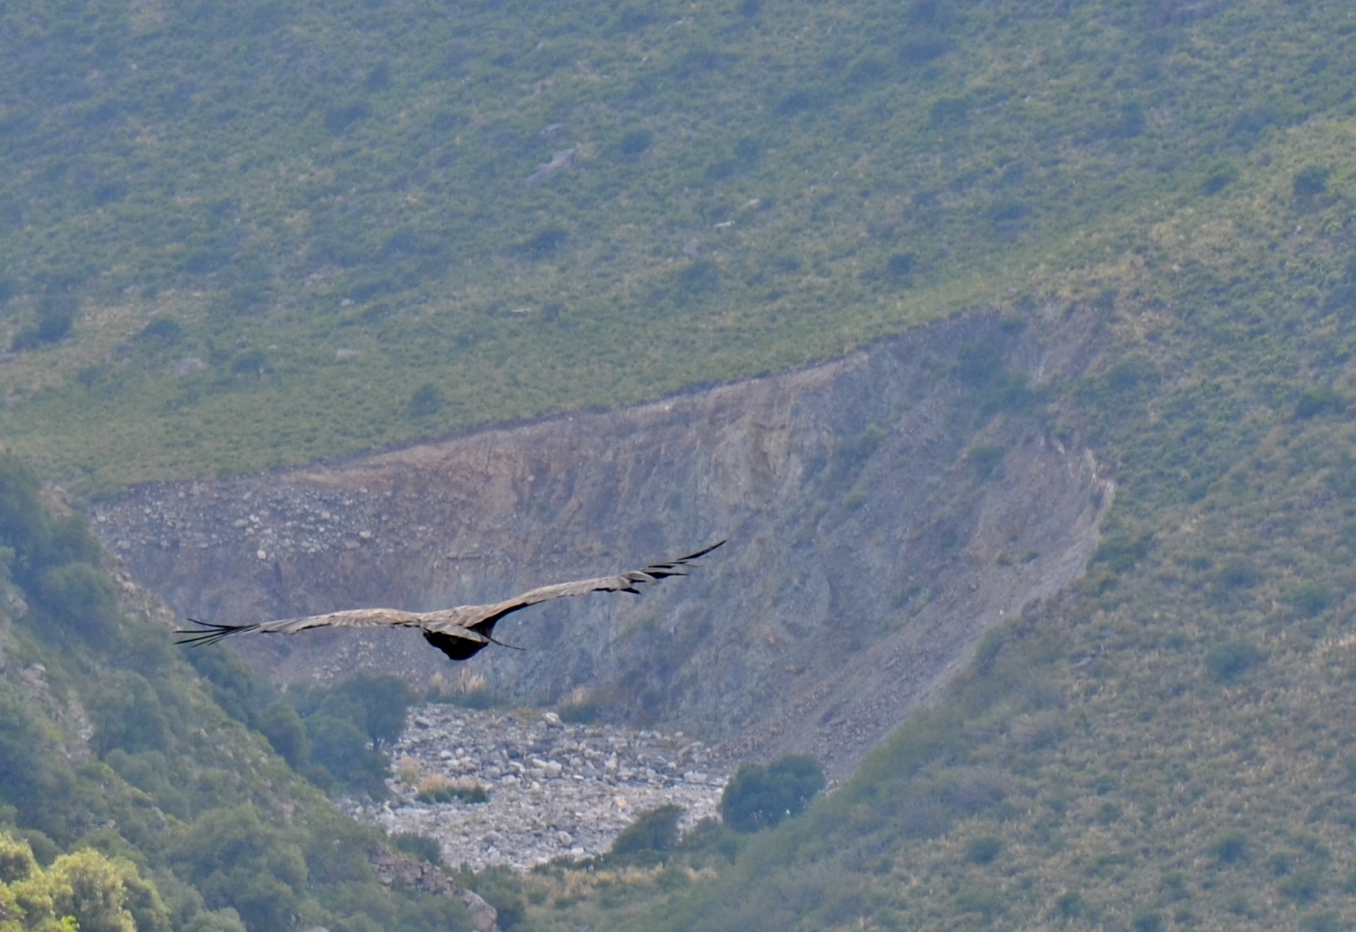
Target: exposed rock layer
x=882, y=510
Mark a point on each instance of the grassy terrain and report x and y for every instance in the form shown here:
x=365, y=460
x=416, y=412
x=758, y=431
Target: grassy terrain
x=1168, y=745
x=111, y=742
x=329, y=208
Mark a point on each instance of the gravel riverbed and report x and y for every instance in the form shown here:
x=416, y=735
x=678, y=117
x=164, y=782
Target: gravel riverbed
x=554, y=788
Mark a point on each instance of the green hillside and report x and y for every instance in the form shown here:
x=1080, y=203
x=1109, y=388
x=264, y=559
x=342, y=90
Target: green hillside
x=337, y=209
x=1166, y=747
x=1169, y=744
x=111, y=743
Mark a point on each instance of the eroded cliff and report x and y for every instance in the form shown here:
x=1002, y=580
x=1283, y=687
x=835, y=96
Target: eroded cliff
x=883, y=510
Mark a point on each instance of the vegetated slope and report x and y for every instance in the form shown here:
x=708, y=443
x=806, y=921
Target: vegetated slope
x=882, y=511
x=377, y=222
x=1166, y=745
x=109, y=740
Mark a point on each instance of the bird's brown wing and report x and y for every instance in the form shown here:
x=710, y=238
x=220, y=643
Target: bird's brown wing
x=208, y=632
x=470, y=622
x=481, y=618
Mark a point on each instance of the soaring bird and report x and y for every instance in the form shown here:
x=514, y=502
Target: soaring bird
x=458, y=632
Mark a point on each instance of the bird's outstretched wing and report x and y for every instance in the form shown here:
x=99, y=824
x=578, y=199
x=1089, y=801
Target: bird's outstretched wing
x=481, y=618
x=208, y=632
x=470, y=623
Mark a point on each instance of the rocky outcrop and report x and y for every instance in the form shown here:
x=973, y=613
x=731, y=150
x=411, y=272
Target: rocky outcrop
x=883, y=510
x=397, y=870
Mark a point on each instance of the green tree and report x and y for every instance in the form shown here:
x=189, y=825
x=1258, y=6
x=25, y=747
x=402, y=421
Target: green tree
x=283, y=728
x=34, y=778
x=127, y=714
x=82, y=889
x=83, y=600
x=653, y=831
x=239, y=860
x=759, y=798
x=384, y=700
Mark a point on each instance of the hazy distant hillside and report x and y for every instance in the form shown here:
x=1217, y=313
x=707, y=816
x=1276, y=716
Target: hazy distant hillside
x=350, y=226
x=371, y=222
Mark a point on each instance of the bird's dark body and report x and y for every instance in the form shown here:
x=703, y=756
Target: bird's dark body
x=455, y=648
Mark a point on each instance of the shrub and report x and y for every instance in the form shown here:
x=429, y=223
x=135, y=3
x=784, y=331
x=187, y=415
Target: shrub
x=1326, y=921
x=1302, y=886
x=250, y=362
x=543, y=244
x=1311, y=598
x=232, y=683
x=283, y=728
x=984, y=902
x=340, y=748
x=1229, y=661
x=1231, y=848
x=635, y=143
x=900, y=266
x=426, y=401
x=383, y=700
x=1219, y=177
x=1069, y=904
x=237, y=859
x=983, y=850
x=759, y=797
x=99, y=894
x=127, y=714
x=421, y=846
x=56, y=315
x=1311, y=181
x=984, y=459
x=1318, y=400
x=656, y=830
x=578, y=708
x=83, y=600
x=341, y=117
x=1149, y=921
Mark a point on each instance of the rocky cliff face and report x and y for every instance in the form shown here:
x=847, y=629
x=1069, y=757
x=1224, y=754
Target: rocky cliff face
x=882, y=511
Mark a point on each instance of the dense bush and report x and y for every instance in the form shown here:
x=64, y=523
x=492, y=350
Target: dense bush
x=283, y=728
x=239, y=860
x=655, y=831
x=1228, y=661
x=421, y=846
x=82, y=600
x=82, y=889
x=127, y=714
x=761, y=797
x=179, y=785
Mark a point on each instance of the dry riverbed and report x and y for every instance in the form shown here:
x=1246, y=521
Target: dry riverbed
x=554, y=788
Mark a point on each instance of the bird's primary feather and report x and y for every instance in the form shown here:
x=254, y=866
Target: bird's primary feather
x=458, y=632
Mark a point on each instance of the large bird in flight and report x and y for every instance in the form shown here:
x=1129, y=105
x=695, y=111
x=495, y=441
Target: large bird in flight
x=458, y=632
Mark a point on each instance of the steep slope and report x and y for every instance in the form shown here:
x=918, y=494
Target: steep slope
x=1164, y=745
x=109, y=740
x=882, y=510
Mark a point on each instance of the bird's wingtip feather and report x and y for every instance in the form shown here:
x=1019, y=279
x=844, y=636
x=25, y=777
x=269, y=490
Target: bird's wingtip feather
x=207, y=632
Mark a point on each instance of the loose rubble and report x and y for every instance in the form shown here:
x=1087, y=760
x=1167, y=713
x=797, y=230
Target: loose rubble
x=555, y=789
x=268, y=523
